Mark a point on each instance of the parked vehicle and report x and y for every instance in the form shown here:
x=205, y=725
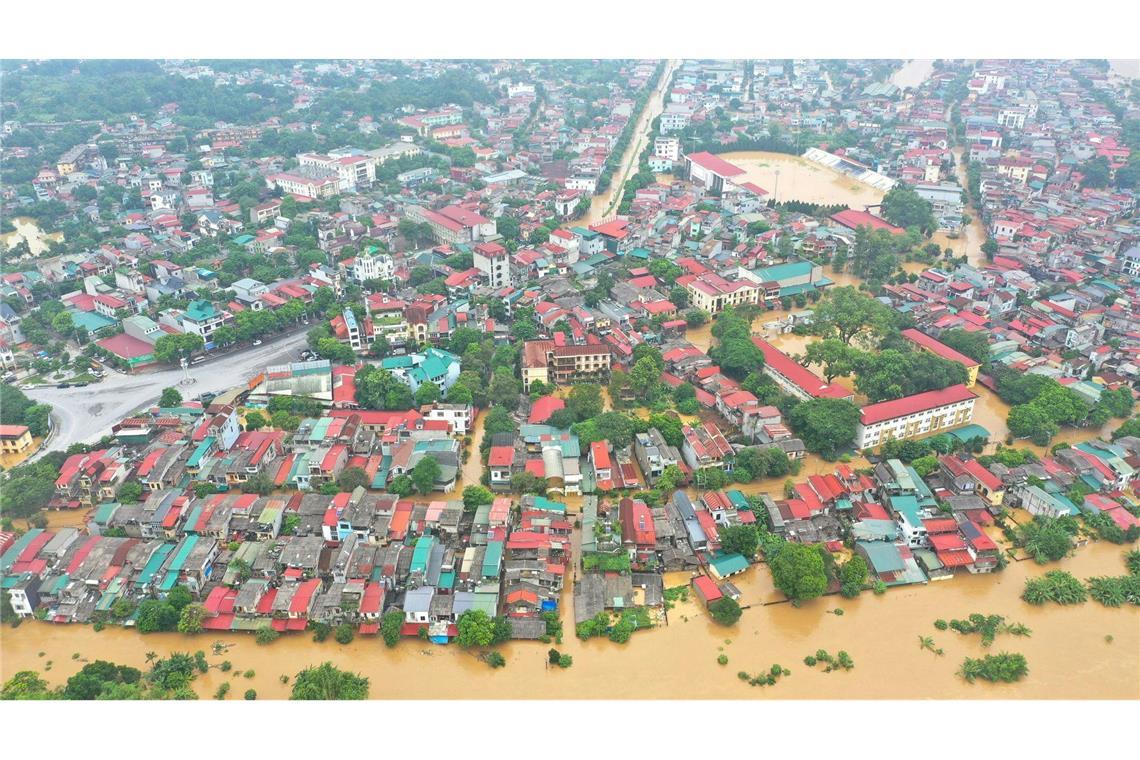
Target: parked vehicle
x=257, y=342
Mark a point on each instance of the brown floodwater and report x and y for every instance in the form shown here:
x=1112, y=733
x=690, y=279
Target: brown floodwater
x=794, y=178
x=913, y=73
x=603, y=204
x=28, y=230
x=1068, y=655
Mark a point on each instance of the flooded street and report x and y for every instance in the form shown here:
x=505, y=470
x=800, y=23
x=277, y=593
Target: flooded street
x=789, y=177
x=27, y=230
x=602, y=205
x=1067, y=653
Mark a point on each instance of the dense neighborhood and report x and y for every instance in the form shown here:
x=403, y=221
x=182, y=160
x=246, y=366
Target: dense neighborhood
x=542, y=344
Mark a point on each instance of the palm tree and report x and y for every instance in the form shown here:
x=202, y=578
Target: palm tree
x=926, y=642
x=150, y=656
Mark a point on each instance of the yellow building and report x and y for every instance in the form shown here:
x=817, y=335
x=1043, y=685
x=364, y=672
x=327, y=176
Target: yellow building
x=938, y=348
x=14, y=438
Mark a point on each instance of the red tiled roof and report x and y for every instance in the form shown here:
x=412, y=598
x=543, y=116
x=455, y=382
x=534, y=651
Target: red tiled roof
x=937, y=347
x=919, y=402
x=715, y=164
x=854, y=219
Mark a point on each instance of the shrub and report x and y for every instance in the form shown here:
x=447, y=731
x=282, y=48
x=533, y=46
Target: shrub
x=226, y=666
x=1000, y=667
x=249, y=674
x=722, y=659
x=552, y=656
x=725, y=611
x=496, y=660
x=1055, y=586
x=250, y=694
x=941, y=624
x=321, y=631
x=222, y=691
x=565, y=661
x=343, y=633
x=266, y=635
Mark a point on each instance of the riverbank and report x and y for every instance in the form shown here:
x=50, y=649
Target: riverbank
x=1068, y=655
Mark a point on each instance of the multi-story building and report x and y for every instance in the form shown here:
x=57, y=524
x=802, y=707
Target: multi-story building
x=317, y=188
x=712, y=293
x=493, y=262
x=914, y=416
x=14, y=438
x=372, y=265
x=545, y=362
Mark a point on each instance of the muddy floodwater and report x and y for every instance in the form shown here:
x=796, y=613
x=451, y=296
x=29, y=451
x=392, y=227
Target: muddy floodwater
x=913, y=73
x=791, y=178
x=28, y=231
x=1068, y=655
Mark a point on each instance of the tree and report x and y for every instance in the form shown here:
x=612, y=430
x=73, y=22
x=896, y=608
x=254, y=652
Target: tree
x=1045, y=539
x=585, y=401
x=343, y=633
x=739, y=539
x=476, y=629
x=427, y=393
x=352, y=478
x=836, y=357
x=798, y=571
x=327, y=682
x=826, y=425
x=130, y=492
x=26, y=685
x=171, y=348
x=425, y=473
x=155, y=615
x=170, y=398
x=849, y=314
x=475, y=497
x=725, y=610
x=1096, y=172
x=390, y=625
x=975, y=345
x=645, y=379
x=191, y=619
x=504, y=390
x=63, y=323
x=255, y=421
x=903, y=207
x=853, y=576
x=527, y=482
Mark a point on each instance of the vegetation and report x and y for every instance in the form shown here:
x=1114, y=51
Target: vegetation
x=1003, y=667
x=725, y=611
x=989, y=626
x=841, y=660
x=853, y=576
x=798, y=571
x=327, y=682
x=769, y=678
x=1055, y=586
x=1046, y=539
x=390, y=625
x=826, y=425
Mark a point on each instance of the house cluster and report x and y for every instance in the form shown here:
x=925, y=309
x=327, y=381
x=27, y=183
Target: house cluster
x=287, y=561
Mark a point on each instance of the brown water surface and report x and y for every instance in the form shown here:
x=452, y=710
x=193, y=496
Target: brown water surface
x=1067, y=652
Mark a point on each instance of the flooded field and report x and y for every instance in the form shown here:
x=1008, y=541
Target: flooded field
x=913, y=73
x=1068, y=655
x=795, y=178
x=27, y=230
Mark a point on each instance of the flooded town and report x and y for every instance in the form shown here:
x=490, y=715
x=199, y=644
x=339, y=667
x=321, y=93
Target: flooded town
x=765, y=379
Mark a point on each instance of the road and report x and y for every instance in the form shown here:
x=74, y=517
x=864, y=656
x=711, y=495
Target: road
x=83, y=415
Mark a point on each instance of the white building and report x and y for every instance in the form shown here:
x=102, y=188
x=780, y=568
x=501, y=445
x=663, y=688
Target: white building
x=493, y=262
x=667, y=147
x=352, y=171
x=914, y=416
x=372, y=266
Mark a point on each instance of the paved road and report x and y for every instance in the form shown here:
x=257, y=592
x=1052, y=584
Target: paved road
x=82, y=415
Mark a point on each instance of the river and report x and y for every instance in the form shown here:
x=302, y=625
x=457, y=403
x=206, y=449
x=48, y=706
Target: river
x=1067, y=653
x=28, y=230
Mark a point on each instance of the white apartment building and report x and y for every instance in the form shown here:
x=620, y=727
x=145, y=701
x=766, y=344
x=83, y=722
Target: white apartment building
x=493, y=262
x=914, y=416
x=667, y=147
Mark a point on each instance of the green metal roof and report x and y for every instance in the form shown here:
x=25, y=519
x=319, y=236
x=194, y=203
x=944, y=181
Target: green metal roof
x=203, y=448
x=728, y=564
x=156, y=560
x=970, y=431
x=493, y=559
x=547, y=505
x=176, y=564
x=883, y=556
x=783, y=271
x=421, y=554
